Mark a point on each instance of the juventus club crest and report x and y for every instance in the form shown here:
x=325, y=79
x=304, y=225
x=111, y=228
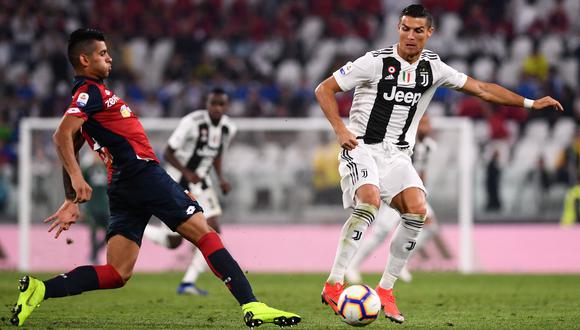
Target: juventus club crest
x=424, y=78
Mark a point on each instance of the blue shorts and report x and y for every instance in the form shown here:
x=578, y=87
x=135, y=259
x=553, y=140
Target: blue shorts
x=148, y=191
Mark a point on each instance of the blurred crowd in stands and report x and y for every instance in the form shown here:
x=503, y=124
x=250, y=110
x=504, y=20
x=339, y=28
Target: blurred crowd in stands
x=269, y=55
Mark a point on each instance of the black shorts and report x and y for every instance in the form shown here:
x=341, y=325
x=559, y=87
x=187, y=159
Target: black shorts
x=150, y=191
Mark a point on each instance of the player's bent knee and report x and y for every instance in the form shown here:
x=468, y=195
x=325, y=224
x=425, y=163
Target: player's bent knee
x=369, y=194
x=418, y=209
x=194, y=228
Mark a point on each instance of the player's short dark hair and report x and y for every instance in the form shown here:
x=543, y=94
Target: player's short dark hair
x=218, y=91
x=417, y=11
x=80, y=42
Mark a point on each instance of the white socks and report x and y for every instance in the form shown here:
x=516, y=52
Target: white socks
x=387, y=219
x=402, y=243
x=197, y=266
x=350, y=237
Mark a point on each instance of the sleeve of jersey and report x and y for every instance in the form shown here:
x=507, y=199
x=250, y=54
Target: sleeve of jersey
x=355, y=73
x=450, y=77
x=86, y=102
x=233, y=132
x=178, y=137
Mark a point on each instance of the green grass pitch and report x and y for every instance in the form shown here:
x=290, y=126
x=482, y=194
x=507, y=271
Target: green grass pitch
x=433, y=300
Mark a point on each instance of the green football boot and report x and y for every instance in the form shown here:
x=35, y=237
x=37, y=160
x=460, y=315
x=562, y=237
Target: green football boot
x=31, y=295
x=257, y=313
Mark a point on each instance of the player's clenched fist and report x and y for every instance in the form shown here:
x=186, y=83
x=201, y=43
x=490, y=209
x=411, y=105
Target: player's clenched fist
x=82, y=190
x=347, y=140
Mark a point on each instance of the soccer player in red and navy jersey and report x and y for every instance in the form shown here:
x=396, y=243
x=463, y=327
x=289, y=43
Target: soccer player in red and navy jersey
x=138, y=189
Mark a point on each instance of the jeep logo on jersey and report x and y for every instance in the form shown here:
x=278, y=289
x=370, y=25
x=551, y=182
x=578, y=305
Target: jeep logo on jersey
x=401, y=97
x=83, y=99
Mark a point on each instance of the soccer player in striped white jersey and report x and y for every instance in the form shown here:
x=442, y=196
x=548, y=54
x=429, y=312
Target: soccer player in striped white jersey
x=393, y=87
x=388, y=218
x=197, y=145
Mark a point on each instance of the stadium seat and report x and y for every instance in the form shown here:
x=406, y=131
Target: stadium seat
x=217, y=48
x=436, y=109
x=521, y=48
x=310, y=31
x=289, y=73
x=137, y=51
x=481, y=131
x=563, y=131
x=552, y=47
x=41, y=74
x=536, y=131
x=438, y=45
x=160, y=53
x=551, y=152
x=509, y=72
x=449, y=26
x=514, y=130
x=483, y=69
x=525, y=155
x=318, y=64
x=568, y=69
x=352, y=47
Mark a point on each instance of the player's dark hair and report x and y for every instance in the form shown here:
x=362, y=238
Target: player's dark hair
x=417, y=11
x=80, y=41
x=218, y=91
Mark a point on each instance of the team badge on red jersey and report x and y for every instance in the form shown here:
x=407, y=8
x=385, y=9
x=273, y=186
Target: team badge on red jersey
x=83, y=99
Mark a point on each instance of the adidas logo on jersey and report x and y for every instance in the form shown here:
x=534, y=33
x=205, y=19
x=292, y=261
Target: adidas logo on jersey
x=399, y=96
x=389, y=77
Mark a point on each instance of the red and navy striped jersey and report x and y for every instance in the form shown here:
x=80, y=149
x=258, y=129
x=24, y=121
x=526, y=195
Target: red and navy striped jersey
x=110, y=127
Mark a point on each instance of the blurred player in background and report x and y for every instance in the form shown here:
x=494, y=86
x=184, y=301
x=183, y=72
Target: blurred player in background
x=197, y=145
x=394, y=86
x=138, y=189
x=97, y=209
x=388, y=218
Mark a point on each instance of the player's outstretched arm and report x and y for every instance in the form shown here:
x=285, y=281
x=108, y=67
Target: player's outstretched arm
x=325, y=94
x=496, y=94
x=67, y=142
x=169, y=156
x=225, y=186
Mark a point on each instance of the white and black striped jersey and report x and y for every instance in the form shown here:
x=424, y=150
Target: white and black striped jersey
x=197, y=142
x=391, y=95
x=421, y=152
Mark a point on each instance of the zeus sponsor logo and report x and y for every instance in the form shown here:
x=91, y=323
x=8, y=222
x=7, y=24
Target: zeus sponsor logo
x=111, y=101
x=400, y=97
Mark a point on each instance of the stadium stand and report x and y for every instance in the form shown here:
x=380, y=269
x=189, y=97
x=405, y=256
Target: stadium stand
x=269, y=55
